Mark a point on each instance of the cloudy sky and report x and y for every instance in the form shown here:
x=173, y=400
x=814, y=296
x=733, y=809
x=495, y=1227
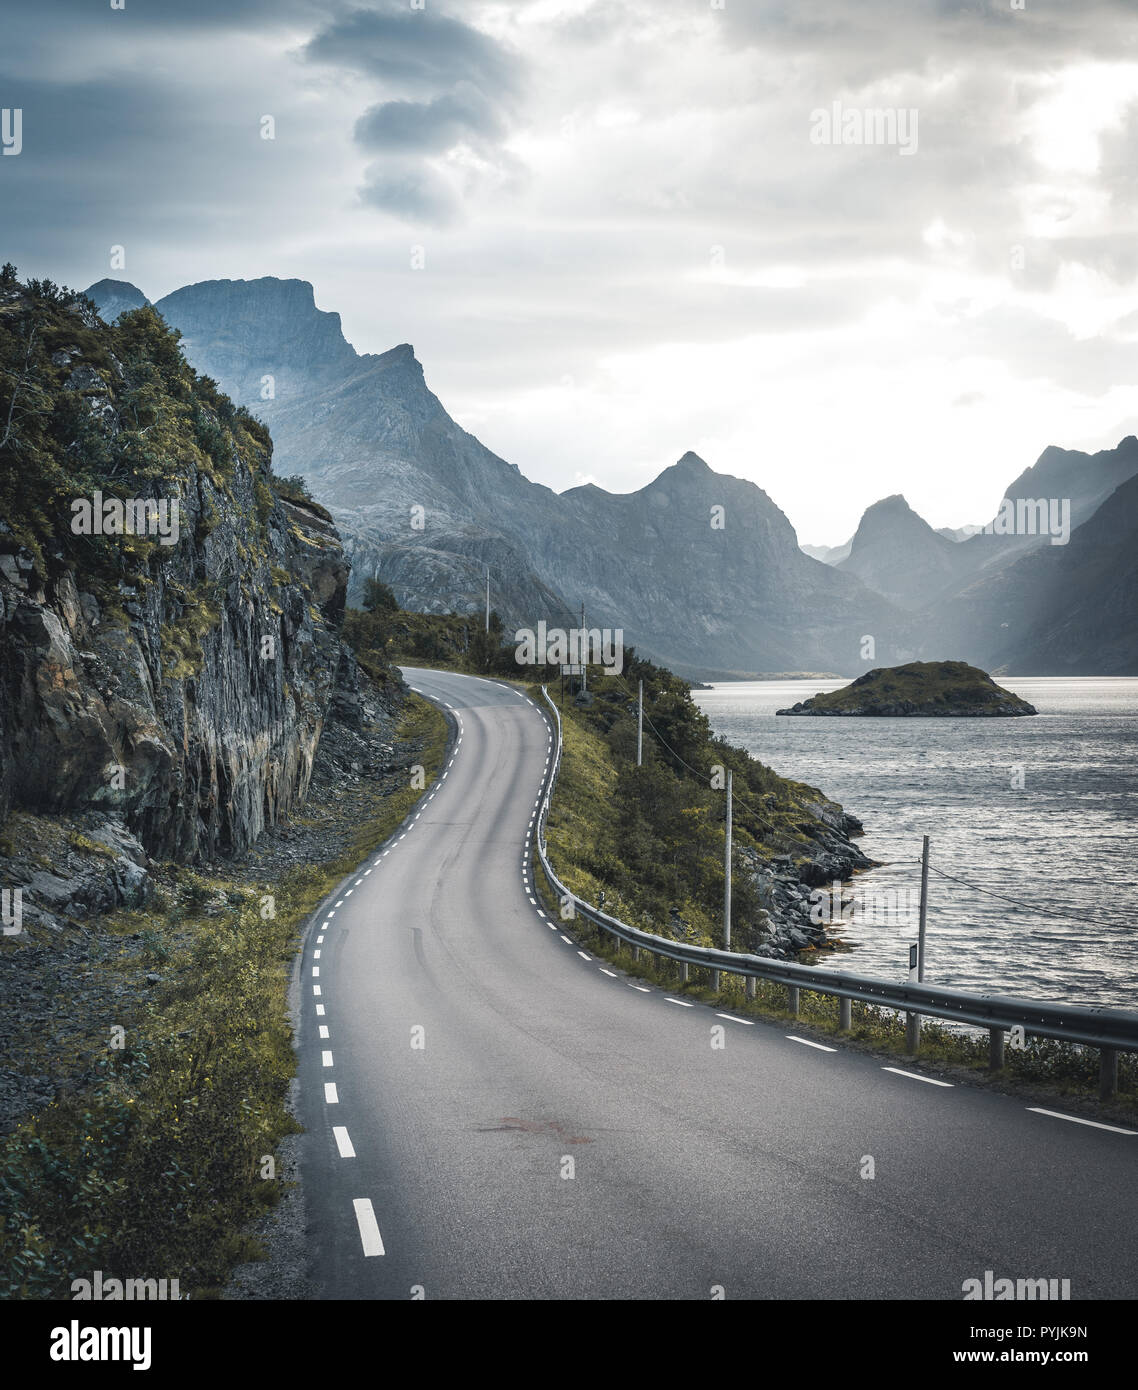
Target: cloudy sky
x=636, y=237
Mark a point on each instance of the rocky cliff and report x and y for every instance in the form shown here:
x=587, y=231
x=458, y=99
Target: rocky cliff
x=898, y=554
x=174, y=675
x=700, y=570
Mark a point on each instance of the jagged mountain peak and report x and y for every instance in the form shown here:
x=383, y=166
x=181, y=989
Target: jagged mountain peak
x=115, y=297
x=692, y=462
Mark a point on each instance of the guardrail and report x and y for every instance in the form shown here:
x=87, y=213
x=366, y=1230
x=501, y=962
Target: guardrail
x=1110, y=1030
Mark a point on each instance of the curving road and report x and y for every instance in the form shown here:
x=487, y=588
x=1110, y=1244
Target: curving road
x=440, y=1170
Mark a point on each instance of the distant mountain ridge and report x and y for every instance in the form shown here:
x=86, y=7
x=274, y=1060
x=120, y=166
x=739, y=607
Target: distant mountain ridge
x=424, y=505
x=700, y=570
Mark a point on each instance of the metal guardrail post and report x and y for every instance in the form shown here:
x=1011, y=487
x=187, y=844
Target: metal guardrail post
x=792, y=999
x=715, y=980
x=995, y=1049
x=845, y=1014
x=687, y=971
x=912, y=1033
x=751, y=986
x=1107, y=1073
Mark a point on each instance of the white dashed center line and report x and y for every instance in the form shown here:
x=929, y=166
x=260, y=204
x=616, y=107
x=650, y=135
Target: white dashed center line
x=343, y=1142
x=748, y=1021
x=806, y=1042
x=330, y=1096
x=326, y=1058
x=915, y=1076
x=1075, y=1120
x=370, y=1238
x=683, y=1003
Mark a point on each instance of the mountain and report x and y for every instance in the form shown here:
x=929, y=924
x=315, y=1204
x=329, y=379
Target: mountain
x=1077, y=482
x=1059, y=610
x=701, y=571
x=897, y=554
x=115, y=297
x=168, y=669
x=828, y=554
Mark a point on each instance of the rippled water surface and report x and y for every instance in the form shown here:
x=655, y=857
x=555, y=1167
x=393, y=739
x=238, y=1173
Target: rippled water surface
x=1065, y=843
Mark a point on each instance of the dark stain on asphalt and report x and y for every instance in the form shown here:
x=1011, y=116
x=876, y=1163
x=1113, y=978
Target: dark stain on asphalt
x=550, y=1127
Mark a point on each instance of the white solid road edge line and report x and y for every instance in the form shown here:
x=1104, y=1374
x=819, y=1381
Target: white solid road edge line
x=806, y=1042
x=1075, y=1120
x=370, y=1238
x=916, y=1076
x=343, y=1141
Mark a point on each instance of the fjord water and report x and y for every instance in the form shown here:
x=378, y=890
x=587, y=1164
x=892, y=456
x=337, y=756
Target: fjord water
x=1064, y=843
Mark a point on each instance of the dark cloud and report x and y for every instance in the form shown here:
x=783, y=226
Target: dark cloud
x=415, y=50
x=426, y=127
x=414, y=192
x=150, y=15
x=463, y=87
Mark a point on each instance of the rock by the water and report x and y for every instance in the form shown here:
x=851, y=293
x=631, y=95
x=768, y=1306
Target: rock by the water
x=936, y=689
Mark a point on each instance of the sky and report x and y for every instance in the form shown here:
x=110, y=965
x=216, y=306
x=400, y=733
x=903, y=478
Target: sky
x=617, y=230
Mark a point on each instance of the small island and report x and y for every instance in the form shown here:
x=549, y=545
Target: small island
x=936, y=689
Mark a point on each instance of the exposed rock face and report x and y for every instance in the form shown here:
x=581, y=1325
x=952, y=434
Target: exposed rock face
x=425, y=507
x=1059, y=610
x=187, y=697
x=937, y=689
x=897, y=554
x=1018, y=602
x=115, y=297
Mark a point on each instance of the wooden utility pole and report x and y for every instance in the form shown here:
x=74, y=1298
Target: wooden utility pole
x=924, y=907
x=640, y=728
x=487, y=598
x=727, y=873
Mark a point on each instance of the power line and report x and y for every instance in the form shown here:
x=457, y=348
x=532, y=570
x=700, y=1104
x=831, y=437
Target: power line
x=1015, y=902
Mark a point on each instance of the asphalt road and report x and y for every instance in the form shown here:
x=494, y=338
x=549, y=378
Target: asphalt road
x=693, y=1167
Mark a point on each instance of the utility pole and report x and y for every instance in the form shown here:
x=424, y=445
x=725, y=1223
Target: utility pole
x=727, y=873
x=924, y=907
x=487, y=598
x=913, y=1020
x=640, y=728
x=583, y=652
